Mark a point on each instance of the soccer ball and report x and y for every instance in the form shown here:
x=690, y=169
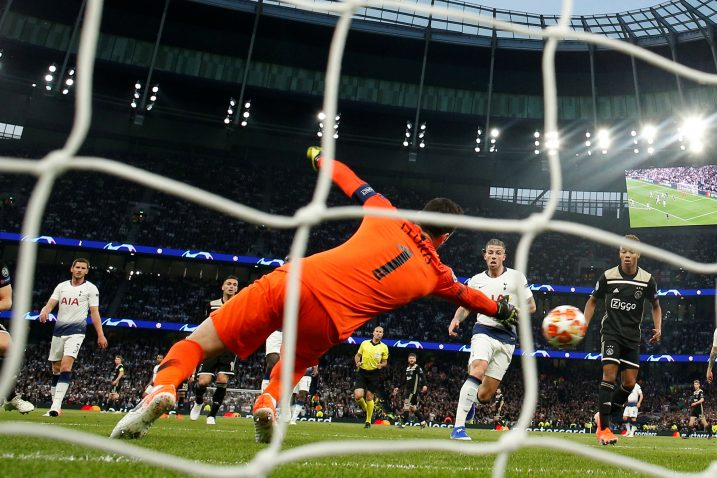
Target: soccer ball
x=564, y=326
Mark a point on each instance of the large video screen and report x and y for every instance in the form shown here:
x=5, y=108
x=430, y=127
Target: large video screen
x=677, y=196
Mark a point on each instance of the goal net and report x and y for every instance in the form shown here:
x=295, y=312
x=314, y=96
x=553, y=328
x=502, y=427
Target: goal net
x=57, y=162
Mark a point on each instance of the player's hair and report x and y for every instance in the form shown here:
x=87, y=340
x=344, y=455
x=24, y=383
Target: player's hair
x=230, y=277
x=495, y=242
x=413, y=355
x=81, y=259
x=696, y=381
x=118, y=356
x=444, y=206
x=632, y=237
x=379, y=327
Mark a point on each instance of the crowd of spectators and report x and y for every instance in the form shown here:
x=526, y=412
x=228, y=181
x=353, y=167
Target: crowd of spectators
x=700, y=177
x=567, y=390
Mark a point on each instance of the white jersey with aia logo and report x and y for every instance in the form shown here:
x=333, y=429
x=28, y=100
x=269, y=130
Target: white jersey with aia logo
x=74, y=304
x=497, y=288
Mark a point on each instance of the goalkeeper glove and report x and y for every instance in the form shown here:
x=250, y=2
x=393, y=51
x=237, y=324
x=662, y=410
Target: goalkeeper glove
x=507, y=313
x=313, y=153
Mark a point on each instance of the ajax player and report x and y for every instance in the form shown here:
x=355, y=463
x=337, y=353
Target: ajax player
x=493, y=342
x=76, y=297
x=624, y=290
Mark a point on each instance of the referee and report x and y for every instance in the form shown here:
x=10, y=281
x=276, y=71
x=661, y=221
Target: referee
x=372, y=356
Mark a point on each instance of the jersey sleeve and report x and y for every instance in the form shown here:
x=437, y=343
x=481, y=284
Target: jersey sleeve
x=525, y=285
x=355, y=187
x=5, y=278
x=384, y=354
x=714, y=339
x=94, y=296
x=56, y=293
x=600, y=287
x=362, y=348
x=448, y=288
x=651, y=292
x=421, y=377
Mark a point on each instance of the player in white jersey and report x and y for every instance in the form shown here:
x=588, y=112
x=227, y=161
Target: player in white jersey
x=149, y=386
x=301, y=392
x=492, y=344
x=629, y=416
x=711, y=361
x=76, y=298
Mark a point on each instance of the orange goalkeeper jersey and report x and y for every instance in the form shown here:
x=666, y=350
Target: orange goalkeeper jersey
x=386, y=264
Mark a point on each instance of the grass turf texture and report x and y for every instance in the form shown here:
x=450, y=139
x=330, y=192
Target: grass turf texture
x=684, y=210
x=231, y=442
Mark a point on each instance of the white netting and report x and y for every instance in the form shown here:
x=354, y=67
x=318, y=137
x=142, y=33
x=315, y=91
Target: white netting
x=57, y=162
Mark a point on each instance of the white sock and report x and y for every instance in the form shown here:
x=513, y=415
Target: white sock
x=264, y=384
x=295, y=410
x=60, y=391
x=468, y=396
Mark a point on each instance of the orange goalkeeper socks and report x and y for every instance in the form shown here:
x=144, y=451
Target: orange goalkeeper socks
x=180, y=362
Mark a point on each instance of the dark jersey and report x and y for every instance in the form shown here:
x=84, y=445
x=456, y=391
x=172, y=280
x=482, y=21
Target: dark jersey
x=498, y=402
x=5, y=279
x=118, y=368
x=415, y=379
x=697, y=395
x=624, y=297
x=213, y=305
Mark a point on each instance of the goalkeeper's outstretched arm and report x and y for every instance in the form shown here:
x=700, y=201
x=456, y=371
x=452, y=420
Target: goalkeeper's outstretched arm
x=348, y=181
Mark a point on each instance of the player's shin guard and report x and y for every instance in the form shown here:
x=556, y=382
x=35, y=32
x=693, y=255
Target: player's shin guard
x=63, y=383
x=296, y=410
x=199, y=391
x=218, y=398
x=619, y=397
x=466, y=399
x=605, y=400
x=369, y=410
x=180, y=362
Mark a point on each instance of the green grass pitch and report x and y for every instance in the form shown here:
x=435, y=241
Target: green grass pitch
x=231, y=442
x=681, y=208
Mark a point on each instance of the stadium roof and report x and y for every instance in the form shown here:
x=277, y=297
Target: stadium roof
x=660, y=24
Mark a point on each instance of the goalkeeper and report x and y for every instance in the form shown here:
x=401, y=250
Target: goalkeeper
x=386, y=264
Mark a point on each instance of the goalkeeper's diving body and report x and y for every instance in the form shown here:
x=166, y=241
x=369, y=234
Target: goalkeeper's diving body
x=386, y=264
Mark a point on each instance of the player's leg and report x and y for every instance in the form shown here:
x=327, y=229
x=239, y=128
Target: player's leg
x=706, y=427
x=204, y=377
x=610, y=367
x=55, y=357
x=626, y=422
x=481, y=353
x=300, y=401
x=271, y=359
x=71, y=348
x=13, y=401
x=628, y=378
x=221, y=390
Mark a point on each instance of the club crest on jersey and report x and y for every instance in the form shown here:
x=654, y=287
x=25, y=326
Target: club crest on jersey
x=70, y=301
x=609, y=351
x=638, y=294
